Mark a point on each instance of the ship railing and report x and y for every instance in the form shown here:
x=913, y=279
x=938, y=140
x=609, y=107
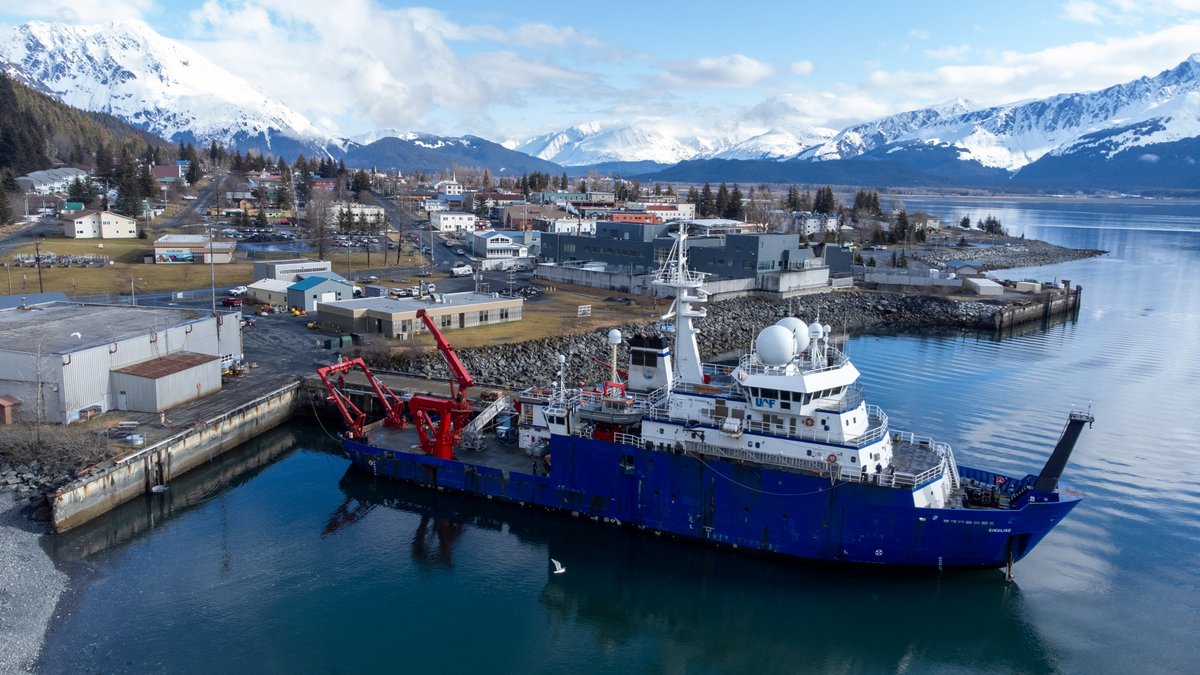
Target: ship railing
x=760, y=457
x=944, y=452
x=853, y=396
x=722, y=389
x=752, y=365
x=628, y=439
x=876, y=419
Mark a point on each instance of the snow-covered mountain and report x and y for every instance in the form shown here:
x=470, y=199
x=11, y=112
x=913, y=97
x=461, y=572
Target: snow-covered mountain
x=595, y=143
x=128, y=70
x=1150, y=110
x=776, y=144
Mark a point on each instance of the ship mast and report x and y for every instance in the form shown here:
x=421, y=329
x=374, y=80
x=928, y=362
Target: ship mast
x=688, y=287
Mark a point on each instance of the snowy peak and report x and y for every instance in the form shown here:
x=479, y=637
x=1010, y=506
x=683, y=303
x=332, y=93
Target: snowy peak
x=130, y=71
x=595, y=143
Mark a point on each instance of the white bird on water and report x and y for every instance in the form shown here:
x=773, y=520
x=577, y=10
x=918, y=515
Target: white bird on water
x=558, y=568
x=76, y=335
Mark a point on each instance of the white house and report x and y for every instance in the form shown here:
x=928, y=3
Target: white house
x=448, y=187
x=360, y=211
x=569, y=225
x=99, y=225
x=492, y=245
x=452, y=221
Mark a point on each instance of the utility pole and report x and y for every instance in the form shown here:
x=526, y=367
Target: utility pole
x=37, y=259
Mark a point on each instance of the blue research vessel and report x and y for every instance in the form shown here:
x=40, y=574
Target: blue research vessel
x=780, y=453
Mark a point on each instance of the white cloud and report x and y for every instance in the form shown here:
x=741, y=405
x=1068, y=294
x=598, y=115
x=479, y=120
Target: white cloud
x=918, y=34
x=1012, y=76
x=801, y=68
x=1149, y=158
x=732, y=71
x=1083, y=11
x=372, y=67
x=948, y=53
x=72, y=11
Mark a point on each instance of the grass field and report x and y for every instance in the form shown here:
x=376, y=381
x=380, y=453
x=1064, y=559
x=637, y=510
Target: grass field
x=555, y=313
x=127, y=255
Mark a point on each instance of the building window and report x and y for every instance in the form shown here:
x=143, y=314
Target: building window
x=447, y=320
x=503, y=314
x=483, y=316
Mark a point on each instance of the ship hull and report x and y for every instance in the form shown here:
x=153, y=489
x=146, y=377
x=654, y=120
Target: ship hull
x=739, y=505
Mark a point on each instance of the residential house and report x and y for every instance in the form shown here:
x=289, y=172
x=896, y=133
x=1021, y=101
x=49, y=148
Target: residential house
x=99, y=225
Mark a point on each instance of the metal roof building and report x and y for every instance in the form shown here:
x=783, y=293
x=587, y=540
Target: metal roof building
x=397, y=317
x=71, y=361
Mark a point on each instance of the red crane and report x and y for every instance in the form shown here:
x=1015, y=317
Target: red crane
x=355, y=418
x=439, y=438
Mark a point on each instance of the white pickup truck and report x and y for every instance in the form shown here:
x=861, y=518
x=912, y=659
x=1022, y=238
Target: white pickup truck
x=464, y=271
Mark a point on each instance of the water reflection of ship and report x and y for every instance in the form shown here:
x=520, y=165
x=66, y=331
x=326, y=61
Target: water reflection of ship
x=433, y=540
x=727, y=611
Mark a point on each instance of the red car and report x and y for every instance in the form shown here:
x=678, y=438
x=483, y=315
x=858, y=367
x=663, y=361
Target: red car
x=232, y=302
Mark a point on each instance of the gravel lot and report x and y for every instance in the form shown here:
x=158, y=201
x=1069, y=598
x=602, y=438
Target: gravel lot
x=30, y=586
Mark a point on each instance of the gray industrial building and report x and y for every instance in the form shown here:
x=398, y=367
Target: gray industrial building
x=716, y=247
x=292, y=269
x=76, y=361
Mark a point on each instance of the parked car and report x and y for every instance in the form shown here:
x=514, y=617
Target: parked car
x=238, y=290
x=459, y=251
x=232, y=302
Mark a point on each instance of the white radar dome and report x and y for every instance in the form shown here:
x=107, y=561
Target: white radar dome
x=614, y=337
x=815, y=331
x=799, y=330
x=775, y=345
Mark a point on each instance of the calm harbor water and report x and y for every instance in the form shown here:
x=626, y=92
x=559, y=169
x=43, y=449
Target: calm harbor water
x=279, y=559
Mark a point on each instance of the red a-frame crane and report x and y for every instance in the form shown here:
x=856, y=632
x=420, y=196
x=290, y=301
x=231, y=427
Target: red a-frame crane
x=453, y=413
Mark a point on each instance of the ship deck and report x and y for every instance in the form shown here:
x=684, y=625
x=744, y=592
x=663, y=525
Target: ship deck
x=492, y=453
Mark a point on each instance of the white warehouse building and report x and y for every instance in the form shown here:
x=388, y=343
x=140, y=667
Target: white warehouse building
x=452, y=221
x=82, y=360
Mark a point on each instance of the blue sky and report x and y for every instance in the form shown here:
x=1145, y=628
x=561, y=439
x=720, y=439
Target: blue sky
x=513, y=70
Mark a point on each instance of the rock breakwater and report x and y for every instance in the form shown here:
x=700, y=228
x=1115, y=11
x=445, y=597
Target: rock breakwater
x=730, y=326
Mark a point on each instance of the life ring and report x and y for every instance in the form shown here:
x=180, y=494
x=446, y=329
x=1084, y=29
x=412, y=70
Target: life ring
x=808, y=422
x=1000, y=480
x=832, y=458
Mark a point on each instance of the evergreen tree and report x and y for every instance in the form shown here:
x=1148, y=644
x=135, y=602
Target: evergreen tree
x=360, y=183
x=582, y=189
x=283, y=197
x=722, y=203
x=901, y=228
x=6, y=212
x=792, y=202
x=965, y=223
x=693, y=195
x=81, y=190
x=735, y=210
x=212, y=153
x=824, y=203
x=708, y=202
x=564, y=182
x=104, y=162
x=260, y=220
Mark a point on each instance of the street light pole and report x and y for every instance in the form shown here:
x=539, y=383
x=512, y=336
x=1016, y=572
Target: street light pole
x=212, y=269
x=132, y=292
